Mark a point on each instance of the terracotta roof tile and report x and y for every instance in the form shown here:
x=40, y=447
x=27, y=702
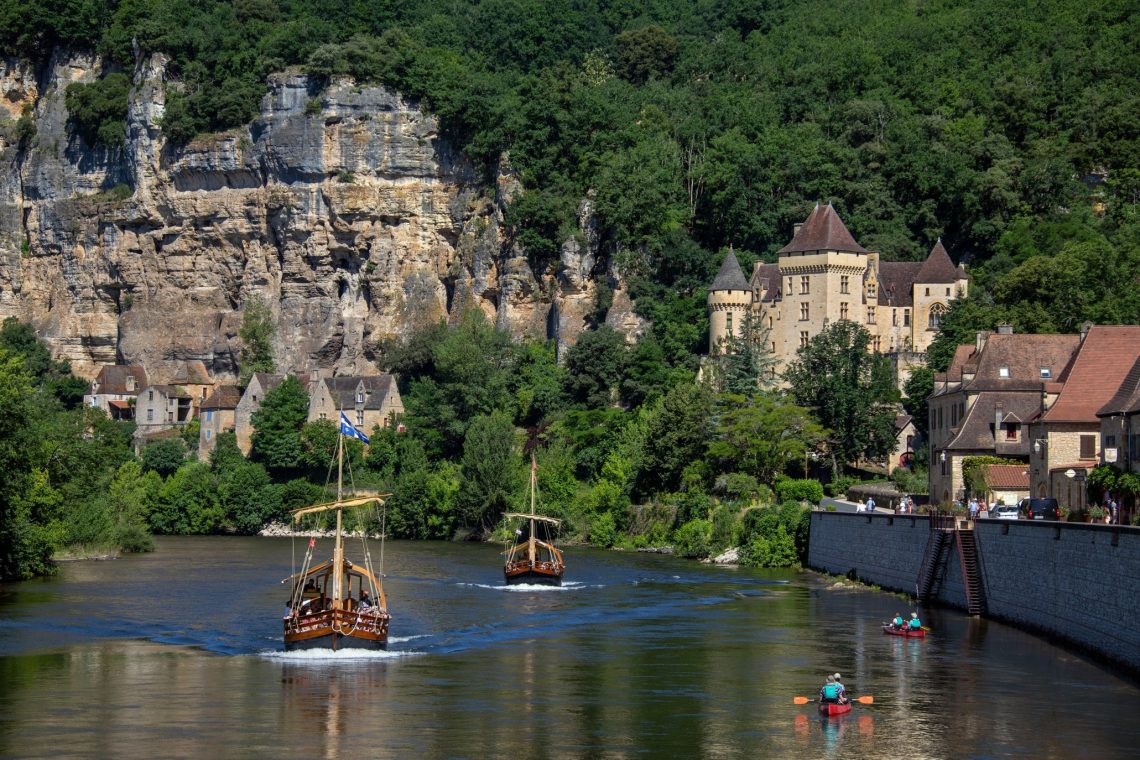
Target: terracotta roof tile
x=823, y=231
x=1103, y=360
x=1127, y=396
x=729, y=277
x=223, y=397
x=938, y=267
x=1022, y=357
x=1015, y=476
x=896, y=282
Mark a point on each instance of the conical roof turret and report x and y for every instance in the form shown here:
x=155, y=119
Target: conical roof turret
x=938, y=267
x=730, y=276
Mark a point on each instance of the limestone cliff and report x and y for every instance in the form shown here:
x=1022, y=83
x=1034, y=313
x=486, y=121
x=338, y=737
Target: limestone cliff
x=342, y=208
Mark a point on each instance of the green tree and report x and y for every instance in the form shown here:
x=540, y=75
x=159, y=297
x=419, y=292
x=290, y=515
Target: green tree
x=489, y=470
x=745, y=363
x=677, y=433
x=595, y=366
x=277, y=427
x=165, y=456
x=850, y=389
x=917, y=389
x=257, y=333
x=762, y=435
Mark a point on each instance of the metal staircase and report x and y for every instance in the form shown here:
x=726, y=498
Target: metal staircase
x=933, y=568
x=970, y=561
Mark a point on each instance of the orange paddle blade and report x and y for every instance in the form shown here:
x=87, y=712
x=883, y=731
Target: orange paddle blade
x=800, y=700
x=868, y=700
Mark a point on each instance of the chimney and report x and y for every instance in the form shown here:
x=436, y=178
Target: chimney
x=1085, y=330
x=1005, y=329
x=980, y=340
x=796, y=228
x=998, y=416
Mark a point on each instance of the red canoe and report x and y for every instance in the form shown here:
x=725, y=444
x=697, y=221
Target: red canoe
x=910, y=633
x=834, y=708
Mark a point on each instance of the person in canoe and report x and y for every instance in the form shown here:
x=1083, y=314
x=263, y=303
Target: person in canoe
x=898, y=623
x=833, y=691
x=915, y=623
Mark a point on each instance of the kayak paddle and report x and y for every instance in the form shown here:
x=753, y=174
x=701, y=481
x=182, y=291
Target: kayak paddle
x=867, y=700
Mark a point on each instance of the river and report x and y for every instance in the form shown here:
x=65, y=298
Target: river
x=178, y=654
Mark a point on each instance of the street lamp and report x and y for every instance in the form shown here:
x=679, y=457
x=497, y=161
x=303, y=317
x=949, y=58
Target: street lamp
x=1039, y=444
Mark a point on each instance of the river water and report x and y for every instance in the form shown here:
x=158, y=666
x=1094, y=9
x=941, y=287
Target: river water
x=178, y=654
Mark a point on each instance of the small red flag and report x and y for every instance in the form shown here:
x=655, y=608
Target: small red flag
x=312, y=541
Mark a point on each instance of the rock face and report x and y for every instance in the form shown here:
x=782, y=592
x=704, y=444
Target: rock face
x=343, y=209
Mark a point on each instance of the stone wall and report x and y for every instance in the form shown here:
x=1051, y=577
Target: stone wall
x=1068, y=580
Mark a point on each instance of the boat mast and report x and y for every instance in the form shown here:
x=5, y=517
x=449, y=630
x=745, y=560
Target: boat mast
x=533, y=467
x=338, y=550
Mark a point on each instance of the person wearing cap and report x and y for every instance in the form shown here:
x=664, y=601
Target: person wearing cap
x=832, y=690
x=915, y=623
x=898, y=622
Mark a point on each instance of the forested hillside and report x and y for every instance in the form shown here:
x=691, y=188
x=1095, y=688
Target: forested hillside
x=1008, y=131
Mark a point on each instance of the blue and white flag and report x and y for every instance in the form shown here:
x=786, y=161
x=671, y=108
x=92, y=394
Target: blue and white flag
x=347, y=428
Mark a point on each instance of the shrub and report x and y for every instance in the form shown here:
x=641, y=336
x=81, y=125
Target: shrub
x=603, y=530
x=808, y=489
x=840, y=485
x=723, y=527
x=98, y=111
x=692, y=539
x=777, y=551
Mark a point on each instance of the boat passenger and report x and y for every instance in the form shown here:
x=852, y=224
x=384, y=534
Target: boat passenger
x=842, y=691
x=832, y=691
x=915, y=623
x=898, y=622
x=288, y=609
x=365, y=600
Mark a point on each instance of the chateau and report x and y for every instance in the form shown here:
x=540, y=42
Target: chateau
x=823, y=275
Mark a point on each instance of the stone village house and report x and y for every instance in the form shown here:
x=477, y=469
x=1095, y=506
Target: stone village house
x=1120, y=433
x=251, y=398
x=115, y=390
x=216, y=416
x=367, y=400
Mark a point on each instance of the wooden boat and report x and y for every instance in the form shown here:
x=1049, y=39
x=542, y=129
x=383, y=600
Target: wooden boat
x=831, y=709
x=338, y=604
x=910, y=633
x=532, y=559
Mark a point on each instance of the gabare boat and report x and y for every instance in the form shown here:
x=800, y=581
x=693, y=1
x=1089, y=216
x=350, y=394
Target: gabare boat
x=532, y=559
x=338, y=604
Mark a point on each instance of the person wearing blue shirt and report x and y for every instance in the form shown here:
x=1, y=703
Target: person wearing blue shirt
x=915, y=623
x=832, y=690
x=898, y=622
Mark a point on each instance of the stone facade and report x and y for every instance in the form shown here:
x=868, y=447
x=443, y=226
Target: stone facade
x=367, y=401
x=115, y=390
x=251, y=398
x=823, y=276
x=160, y=408
x=216, y=416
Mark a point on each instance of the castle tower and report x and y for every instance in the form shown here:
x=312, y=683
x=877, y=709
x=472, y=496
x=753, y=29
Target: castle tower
x=729, y=300
x=937, y=283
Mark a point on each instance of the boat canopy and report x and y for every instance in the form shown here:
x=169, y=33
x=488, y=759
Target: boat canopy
x=326, y=567
x=540, y=518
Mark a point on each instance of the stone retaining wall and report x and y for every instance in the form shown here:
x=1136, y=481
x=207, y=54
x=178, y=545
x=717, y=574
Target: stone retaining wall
x=1069, y=580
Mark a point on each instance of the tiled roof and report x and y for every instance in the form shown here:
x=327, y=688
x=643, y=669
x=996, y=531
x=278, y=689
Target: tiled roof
x=896, y=282
x=223, y=397
x=823, y=231
x=268, y=382
x=1127, y=397
x=767, y=275
x=192, y=372
x=343, y=390
x=1023, y=356
x=902, y=420
x=938, y=267
x=1006, y=476
x=171, y=391
x=977, y=430
x=1104, y=359
x=112, y=379
x=729, y=277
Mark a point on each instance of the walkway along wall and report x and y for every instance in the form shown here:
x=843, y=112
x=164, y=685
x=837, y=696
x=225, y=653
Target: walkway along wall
x=1070, y=580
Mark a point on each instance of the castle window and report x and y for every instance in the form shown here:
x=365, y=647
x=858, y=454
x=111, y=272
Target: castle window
x=773, y=346
x=805, y=284
x=843, y=279
x=803, y=338
x=870, y=315
x=876, y=344
x=727, y=325
x=771, y=323
x=872, y=289
x=934, y=321
x=928, y=291
x=804, y=311
x=947, y=292
x=790, y=291
x=843, y=310
x=906, y=317
x=894, y=317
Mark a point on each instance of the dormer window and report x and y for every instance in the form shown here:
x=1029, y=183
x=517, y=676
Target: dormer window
x=360, y=394
x=1046, y=373
x=130, y=383
x=1003, y=371
x=872, y=289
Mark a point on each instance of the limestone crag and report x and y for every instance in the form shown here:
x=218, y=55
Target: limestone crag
x=341, y=208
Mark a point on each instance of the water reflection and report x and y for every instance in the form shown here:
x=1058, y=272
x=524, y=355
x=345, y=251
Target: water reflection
x=687, y=661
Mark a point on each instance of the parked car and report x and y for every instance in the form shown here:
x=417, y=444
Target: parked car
x=1040, y=509
x=1003, y=512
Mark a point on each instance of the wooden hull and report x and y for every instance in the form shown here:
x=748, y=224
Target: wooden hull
x=334, y=630
x=916, y=633
x=541, y=573
x=831, y=709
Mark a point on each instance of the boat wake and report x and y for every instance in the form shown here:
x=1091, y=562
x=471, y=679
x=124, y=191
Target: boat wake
x=570, y=586
x=343, y=655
